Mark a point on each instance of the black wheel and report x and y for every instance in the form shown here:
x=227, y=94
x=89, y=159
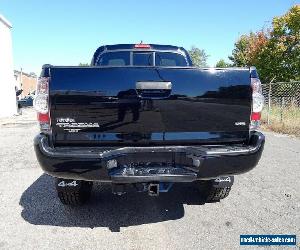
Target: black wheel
x=211, y=193
x=73, y=192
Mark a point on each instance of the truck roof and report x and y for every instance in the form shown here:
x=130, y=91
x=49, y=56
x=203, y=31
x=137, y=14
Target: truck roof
x=133, y=46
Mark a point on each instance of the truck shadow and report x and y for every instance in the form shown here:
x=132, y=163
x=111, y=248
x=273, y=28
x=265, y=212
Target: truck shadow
x=42, y=207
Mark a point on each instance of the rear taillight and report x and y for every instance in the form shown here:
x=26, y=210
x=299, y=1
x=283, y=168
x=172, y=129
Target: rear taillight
x=257, y=103
x=41, y=103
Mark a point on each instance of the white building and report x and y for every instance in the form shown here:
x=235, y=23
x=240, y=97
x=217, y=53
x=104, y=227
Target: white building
x=8, y=105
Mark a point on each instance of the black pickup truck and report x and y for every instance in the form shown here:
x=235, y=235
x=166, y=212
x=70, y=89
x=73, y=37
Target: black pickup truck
x=143, y=115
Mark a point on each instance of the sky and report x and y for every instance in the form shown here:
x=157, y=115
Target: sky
x=65, y=32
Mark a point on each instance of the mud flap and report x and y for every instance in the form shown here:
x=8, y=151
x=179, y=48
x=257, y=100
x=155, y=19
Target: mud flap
x=68, y=185
x=223, y=182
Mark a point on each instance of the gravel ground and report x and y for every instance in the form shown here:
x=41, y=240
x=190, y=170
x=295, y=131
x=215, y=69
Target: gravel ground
x=263, y=201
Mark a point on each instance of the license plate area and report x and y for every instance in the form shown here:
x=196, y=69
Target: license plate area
x=151, y=166
x=154, y=169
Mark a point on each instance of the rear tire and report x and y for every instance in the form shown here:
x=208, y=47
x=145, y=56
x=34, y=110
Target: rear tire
x=73, y=192
x=217, y=194
x=211, y=193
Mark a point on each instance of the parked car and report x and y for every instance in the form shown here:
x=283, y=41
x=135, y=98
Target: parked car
x=26, y=101
x=143, y=115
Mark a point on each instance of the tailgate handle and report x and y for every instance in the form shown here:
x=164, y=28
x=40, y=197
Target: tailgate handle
x=153, y=85
x=153, y=90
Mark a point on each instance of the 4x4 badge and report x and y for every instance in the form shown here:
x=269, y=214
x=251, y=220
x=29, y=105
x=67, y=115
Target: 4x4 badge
x=67, y=184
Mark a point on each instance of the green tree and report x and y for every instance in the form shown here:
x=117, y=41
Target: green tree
x=198, y=56
x=83, y=64
x=222, y=64
x=247, y=47
x=276, y=51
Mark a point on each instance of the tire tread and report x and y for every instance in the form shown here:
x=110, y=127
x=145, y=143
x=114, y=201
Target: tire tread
x=217, y=194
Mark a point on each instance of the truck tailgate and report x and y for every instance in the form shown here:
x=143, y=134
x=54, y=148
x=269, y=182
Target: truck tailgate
x=149, y=105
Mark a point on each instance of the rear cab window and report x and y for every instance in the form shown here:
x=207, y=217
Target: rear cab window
x=169, y=59
x=142, y=58
x=117, y=58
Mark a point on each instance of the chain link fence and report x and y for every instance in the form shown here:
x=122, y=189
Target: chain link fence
x=282, y=107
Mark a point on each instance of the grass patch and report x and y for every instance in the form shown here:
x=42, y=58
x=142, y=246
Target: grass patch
x=283, y=120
